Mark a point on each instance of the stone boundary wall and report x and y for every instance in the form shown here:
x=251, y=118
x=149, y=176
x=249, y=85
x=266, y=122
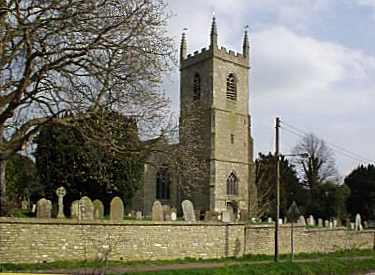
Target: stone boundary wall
x=35, y=240
x=260, y=239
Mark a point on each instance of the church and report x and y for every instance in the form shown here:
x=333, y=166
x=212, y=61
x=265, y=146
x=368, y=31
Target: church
x=215, y=120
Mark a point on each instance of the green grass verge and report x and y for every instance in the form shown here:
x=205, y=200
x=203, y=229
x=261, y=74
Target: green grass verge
x=329, y=259
x=330, y=266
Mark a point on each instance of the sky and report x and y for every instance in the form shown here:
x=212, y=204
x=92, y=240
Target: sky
x=312, y=64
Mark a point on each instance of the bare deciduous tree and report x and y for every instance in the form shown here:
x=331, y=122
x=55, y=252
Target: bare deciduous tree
x=319, y=166
x=78, y=56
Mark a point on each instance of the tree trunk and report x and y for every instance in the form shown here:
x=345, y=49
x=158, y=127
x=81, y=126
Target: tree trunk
x=2, y=188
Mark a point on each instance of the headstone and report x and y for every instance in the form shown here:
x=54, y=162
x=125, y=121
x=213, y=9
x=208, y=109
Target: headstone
x=326, y=223
x=365, y=224
x=210, y=216
x=280, y=221
x=320, y=222
x=86, y=209
x=311, y=220
x=43, y=209
x=334, y=223
x=301, y=220
x=33, y=209
x=74, y=209
x=188, y=211
x=227, y=216
x=157, y=212
x=25, y=205
x=117, y=209
x=138, y=215
x=352, y=226
x=360, y=227
x=166, y=212
x=330, y=225
x=98, y=209
x=269, y=220
x=357, y=221
x=61, y=192
x=173, y=216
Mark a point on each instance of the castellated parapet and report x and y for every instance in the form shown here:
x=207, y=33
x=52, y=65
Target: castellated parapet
x=219, y=53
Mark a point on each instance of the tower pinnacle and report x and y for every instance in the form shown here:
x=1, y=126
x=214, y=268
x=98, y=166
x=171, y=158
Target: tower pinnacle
x=183, y=48
x=214, y=33
x=246, y=44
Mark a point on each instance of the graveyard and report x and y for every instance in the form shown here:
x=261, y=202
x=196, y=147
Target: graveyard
x=87, y=235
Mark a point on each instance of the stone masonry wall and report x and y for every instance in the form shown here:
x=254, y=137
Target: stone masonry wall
x=260, y=239
x=32, y=240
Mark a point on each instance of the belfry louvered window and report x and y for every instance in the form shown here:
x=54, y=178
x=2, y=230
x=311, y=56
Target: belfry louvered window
x=232, y=184
x=197, y=87
x=231, y=87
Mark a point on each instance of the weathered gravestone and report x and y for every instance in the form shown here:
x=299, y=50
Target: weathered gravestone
x=311, y=221
x=173, y=216
x=227, y=216
x=74, y=209
x=166, y=212
x=61, y=192
x=210, y=216
x=157, y=212
x=138, y=215
x=320, y=222
x=188, y=210
x=269, y=220
x=98, y=209
x=358, y=222
x=301, y=220
x=326, y=223
x=43, y=209
x=117, y=209
x=86, y=209
x=334, y=223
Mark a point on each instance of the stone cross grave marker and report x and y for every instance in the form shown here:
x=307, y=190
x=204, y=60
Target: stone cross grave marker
x=98, y=209
x=188, y=210
x=61, y=192
x=86, y=209
x=43, y=209
x=157, y=212
x=117, y=209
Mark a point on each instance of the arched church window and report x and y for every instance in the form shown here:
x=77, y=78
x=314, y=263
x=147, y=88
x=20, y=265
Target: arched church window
x=231, y=87
x=232, y=184
x=163, y=184
x=197, y=87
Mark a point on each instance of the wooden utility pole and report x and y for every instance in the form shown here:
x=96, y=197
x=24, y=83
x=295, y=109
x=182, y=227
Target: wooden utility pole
x=277, y=142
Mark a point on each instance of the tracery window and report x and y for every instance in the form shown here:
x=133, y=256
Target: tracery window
x=232, y=184
x=163, y=184
x=231, y=87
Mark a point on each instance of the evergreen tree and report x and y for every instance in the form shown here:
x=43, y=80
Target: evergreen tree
x=66, y=157
x=361, y=182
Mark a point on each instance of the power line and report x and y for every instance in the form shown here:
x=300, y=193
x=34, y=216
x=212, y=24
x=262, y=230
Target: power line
x=343, y=151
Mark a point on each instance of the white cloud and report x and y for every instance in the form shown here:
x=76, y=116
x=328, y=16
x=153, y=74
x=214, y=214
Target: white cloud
x=317, y=85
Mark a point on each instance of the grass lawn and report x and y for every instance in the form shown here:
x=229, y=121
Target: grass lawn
x=342, y=262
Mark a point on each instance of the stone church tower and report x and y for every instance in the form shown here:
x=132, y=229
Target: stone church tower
x=215, y=122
